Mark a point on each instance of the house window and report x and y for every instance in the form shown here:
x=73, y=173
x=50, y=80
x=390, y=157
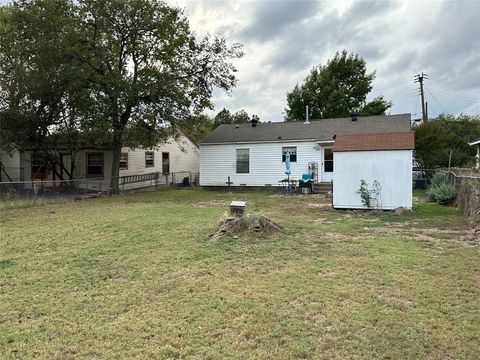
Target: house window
x=149, y=159
x=327, y=160
x=39, y=165
x=95, y=165
x=166, y=163
x=243, y=161
x=293, y=153
x=123, y=162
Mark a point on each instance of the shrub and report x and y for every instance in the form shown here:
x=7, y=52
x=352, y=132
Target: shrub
x=438, y=178
x=443, y=193
x=365, y=194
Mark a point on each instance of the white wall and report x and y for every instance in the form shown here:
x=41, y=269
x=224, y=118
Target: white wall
x=11, y=162
x=184, y=157
x=393, y=169
x=217, y=162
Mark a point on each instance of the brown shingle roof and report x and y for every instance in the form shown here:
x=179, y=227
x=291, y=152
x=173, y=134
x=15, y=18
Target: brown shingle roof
x=319, y=130
x=368, y=142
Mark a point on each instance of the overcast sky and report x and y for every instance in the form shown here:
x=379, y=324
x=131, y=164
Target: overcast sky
x=283, y=40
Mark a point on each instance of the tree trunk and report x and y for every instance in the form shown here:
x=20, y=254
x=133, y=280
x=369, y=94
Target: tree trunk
x=117, y=149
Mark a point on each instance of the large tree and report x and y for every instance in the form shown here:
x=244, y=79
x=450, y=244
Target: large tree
x=147, y=70
x=437, y=139
x=139, y=64
x=39, y=89
x=336, y=89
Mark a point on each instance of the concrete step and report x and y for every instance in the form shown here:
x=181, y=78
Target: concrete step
x=322, y=187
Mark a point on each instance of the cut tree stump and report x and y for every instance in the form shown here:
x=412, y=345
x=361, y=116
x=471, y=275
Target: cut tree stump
x=251, y=223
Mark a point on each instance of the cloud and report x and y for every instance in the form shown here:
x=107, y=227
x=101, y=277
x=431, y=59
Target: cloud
x=270, y=19
x=284, y=39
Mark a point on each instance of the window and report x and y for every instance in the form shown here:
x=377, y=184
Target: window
x=293, y=153
x=39, y=165
x=149, y=159
x=95, y=165
x=327, y=160
x=243, y=161
x=166, y=163
x=123, y=163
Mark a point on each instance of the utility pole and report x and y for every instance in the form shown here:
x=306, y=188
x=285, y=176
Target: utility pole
x=419, y=78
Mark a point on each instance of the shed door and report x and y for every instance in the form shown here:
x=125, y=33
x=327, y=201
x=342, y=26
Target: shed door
x=327, y=164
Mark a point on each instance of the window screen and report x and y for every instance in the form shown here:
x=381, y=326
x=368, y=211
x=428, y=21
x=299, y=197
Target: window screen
x=95, y=165
x=243, y=161
x=149, y=159
x=327, y=160
x=123, y=163
x=293, y=153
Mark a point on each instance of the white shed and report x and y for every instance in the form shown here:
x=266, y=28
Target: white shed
x=384, y=161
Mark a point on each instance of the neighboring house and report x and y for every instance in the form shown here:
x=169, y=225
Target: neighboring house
x=254, y=155
x=477, y=157
x=180, y=155
x=383, y=160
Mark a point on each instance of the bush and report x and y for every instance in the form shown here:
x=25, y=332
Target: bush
x=438, y=178
x=443, y=193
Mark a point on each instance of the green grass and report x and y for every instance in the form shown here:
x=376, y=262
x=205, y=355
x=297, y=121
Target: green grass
x=135, y=277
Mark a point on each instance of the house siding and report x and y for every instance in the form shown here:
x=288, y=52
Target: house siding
x=12, y=164
x=391, y=168
x=218, y=162
x=184, y=157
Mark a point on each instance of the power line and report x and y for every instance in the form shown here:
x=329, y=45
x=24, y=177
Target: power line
x=452, y=94
x=445, y=125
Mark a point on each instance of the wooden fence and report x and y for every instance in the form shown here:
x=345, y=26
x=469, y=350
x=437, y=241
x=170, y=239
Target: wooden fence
x=468, y=194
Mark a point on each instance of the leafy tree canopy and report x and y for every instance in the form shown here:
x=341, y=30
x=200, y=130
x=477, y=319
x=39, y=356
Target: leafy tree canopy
x=435, y=139
x=336, y=89
x=226, y=117
x=124, y=71
x=199, y=126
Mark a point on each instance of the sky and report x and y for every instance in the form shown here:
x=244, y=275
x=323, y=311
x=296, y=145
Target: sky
x=283, y=40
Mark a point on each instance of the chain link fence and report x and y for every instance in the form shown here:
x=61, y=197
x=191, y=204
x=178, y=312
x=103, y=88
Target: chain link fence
x=79, y=189
x=467, y=186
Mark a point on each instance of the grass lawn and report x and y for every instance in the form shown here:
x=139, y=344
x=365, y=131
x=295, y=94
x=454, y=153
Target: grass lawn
x=135, y=276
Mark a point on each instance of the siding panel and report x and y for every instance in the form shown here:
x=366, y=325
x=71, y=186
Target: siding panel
x=217, y=162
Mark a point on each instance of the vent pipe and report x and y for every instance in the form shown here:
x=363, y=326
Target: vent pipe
x=306, y=115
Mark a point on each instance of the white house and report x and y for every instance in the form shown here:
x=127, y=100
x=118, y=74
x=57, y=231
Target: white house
x=383, y=161
x=175, y=156
x=254, y=154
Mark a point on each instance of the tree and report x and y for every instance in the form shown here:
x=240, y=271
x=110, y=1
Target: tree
x=336, y=89
x=197, y=126
x=147, y=70
x=436, y=139
x=226, y=117
x=39, y=92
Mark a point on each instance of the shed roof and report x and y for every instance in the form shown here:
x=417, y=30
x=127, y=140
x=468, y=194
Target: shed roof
x=371, y=142
x=319, y=130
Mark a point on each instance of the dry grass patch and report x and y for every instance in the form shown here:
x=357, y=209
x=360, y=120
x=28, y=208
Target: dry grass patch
x=136, y=277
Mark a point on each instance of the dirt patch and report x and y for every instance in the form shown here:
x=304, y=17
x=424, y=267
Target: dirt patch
x=473, y=236
x=325, y=207
x=211, y=203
